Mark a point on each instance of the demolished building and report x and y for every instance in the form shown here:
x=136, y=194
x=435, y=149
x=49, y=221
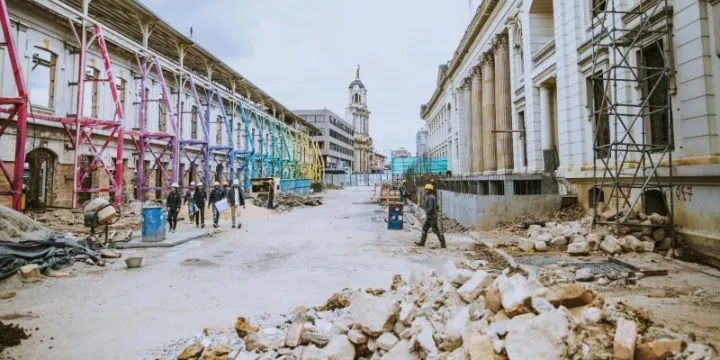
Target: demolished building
x=107, y=99
x=608, y=102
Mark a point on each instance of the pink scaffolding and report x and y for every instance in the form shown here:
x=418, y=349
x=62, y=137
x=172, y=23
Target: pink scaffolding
x=16, y=109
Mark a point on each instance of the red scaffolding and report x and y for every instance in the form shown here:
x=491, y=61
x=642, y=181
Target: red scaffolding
x=16, y=109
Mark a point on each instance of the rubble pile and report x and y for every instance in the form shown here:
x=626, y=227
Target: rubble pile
x=287, y=200
x=465, y=312
x=15, y=226
x=71, y=221
x=643, y=233
x=451, y=226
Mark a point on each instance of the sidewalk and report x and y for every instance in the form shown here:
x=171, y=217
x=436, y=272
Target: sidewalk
x=185, y=232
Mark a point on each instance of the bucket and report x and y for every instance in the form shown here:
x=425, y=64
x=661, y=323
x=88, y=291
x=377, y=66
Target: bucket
x=133, y=262
x=153, y=224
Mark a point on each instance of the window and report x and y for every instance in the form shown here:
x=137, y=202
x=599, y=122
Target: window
x=523, y=136
x=193, y=122
x=655, y=89
x=598, y=104
x=122, y=93
x=219, y=125
x=162, y=116
x=598, y=7
x=42, y=78
x=90, y=97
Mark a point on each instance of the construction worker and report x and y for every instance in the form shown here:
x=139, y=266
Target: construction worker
x=271, y=195
x=216, y=195
x=431, y=217
x=173, y=203
x=198, y=198
x=188, y=199
x=235, y=199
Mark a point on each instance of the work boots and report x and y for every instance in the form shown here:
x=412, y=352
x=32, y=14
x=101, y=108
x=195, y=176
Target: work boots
x=423, y=238
x=442, y=241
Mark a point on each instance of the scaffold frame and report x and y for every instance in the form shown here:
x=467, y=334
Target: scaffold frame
x=626, y=157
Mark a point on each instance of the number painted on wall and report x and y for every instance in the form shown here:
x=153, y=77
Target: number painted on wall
x=684, y=192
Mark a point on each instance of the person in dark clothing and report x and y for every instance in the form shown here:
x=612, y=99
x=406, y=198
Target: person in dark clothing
x=199, y=200
x=271, y=195
x=216, y=195
x=235, y=199
x=173, y=203
x=188, y=199
x=431, y=217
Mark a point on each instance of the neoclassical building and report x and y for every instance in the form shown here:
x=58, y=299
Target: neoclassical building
x=515, y=110
x=358, y=114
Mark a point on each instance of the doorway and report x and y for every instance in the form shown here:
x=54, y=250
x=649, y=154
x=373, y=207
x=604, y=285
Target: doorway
x=41, y=163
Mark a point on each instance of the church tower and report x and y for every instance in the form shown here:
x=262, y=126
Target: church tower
x=357, y=112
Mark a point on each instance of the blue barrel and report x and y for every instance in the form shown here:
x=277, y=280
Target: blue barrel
x=153, y=224
x=395, y=216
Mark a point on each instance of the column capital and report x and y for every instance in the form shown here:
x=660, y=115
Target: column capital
x=488, y=58
x=501, y=42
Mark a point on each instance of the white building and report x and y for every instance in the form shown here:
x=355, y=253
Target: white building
x=515, y=101
x=421, y=145
x=358, y=113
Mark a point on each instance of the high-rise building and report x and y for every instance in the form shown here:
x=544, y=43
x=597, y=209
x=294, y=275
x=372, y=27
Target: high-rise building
x=421, y=146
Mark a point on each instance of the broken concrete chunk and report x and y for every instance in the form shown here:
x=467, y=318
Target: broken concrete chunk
x=578, y=248
x=407, y=312
x=30, y=271
x=340, y=348
x=659, y=349
x=425, y=336
x=374, y=315
x=513, y=293
x=541, y=305
x=457, y=323
x=472, y=288
x=217, y=352
x=254, y=342
x=479, y=347
x=461, y=276
x=541, y=339
x=591, y=315
x=634, y=244
x=559, y=241
x=313, y=353
x=243, y=327
x=293, y=334
x=191, y=352
x=357, y=337
x=540, y=245
x=610, y=245
x=310, y=337
x=492, y=297
x=624, y=340
x=659, y=234
x=648, y=246
x=109, y=254
x=386, y=341
x=526, y=245
x=569, y=295
x=533, y=230
x=401, y=351
x=584, y=274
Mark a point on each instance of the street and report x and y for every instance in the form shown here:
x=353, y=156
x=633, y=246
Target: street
x=272, y=264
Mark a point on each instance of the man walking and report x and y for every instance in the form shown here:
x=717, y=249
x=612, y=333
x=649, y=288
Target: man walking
x=188, y=199
x=235, y=199
x=216, y=195
x=271, y=195
x=198, y=198
x=173, y=203
x=431, y=217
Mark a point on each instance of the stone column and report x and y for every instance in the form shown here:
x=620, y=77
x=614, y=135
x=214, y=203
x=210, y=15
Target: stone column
x=546, y=128
x=488, y=114
x=503, y=115
x=476, y=122
x=466, y=119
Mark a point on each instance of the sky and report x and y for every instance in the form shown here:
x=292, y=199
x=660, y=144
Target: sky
x=304, y=52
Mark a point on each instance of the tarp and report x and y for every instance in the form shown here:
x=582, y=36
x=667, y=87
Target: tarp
x=55, y=253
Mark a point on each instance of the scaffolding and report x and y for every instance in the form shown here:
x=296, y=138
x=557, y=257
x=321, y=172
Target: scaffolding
x=16, y=109
x=633, y=134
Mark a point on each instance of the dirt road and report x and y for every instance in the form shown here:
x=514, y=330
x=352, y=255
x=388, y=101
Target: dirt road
x=271, y=265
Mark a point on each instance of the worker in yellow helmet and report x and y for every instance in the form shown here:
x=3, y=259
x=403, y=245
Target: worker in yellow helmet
x=431, y=217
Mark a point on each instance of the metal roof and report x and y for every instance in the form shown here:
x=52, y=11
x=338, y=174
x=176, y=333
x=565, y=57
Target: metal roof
x=124, y=16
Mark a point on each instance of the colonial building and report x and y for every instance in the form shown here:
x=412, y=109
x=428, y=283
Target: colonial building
x=335, y=139
x=524, y=110
x=357, y=112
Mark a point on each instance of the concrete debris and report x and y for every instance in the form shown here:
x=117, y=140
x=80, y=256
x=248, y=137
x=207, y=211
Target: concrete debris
x=30, y=271
x=192, y=352
x=584, y=274
x=286, y=200
x=508, y=316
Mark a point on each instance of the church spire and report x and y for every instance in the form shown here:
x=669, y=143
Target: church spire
x=357, y=72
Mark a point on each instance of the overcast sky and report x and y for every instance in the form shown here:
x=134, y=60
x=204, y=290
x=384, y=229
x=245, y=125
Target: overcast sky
x=304, y=52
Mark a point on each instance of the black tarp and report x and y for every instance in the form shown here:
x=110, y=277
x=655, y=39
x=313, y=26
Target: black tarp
x=55, y=252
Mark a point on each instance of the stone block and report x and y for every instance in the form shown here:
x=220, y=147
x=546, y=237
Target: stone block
x=579, y=248
x=473, y=287
x=624, y=340
x=569, y=295
x=374, y=315
x=659, y=349
x=386, y=341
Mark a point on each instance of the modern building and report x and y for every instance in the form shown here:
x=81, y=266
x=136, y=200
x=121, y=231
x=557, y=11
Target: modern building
x=421, y=143
x=357, y=112
x=538, y=100
x=174, y=114
x=400, y=152
x=335, y=139
x=379, y=163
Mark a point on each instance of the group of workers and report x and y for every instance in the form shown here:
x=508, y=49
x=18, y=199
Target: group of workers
x=195, y=198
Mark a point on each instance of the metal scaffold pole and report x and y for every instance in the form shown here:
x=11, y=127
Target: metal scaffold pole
x=16, y=109
x=633, y=135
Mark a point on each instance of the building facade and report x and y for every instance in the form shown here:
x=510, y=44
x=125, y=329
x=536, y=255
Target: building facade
x=517, y=100
x=379, y=163
x=400, y=152
x=262, y=129
x=335, y=139
x=421, y=143
x=357, y=112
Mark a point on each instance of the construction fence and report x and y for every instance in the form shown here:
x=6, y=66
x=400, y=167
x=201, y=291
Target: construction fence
x=356, y=179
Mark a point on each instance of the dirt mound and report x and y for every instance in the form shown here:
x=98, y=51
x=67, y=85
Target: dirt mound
x=11, y=335
x=287, y=201
x=16, y=226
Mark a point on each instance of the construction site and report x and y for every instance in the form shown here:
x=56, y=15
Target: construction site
x=157, y=204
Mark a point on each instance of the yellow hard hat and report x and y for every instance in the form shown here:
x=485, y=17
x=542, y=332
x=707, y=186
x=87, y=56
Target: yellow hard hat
x=225, y=183
x=429, y=187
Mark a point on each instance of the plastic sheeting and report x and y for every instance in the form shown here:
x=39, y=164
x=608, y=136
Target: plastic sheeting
x=57, y=252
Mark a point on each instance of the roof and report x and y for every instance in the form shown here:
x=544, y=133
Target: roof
x=471, y=33
x=356, y=82
x=123, y=16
